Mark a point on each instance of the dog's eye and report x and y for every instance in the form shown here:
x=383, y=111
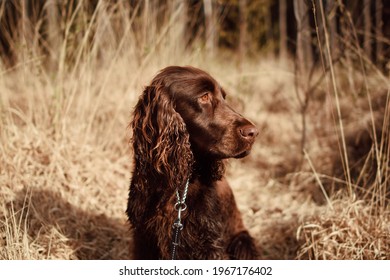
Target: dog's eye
x=205, y=98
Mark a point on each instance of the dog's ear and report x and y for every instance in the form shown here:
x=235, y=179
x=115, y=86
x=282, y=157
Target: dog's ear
x=160, y=138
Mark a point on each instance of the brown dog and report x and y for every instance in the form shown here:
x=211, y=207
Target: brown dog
x=182, y=130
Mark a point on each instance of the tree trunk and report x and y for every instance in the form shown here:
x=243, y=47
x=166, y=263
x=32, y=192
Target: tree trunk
x=367, y=28
x=53, y=31
x=177, y=11
x=243, y=17
x=304, y=49
x=269, y=31
x=378, y=31
x=210, y=29
x=26, y=34
x=282, y=30
x=331, y=9
x=348, y=40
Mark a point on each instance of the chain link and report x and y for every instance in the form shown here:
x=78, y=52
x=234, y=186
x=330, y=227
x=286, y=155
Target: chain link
x=177, y=226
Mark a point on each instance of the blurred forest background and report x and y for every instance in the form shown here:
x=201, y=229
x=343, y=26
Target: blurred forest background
x=313, y=75
x=284, y=28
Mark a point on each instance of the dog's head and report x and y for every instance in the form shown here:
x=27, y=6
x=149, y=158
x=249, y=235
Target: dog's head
x=184, y=112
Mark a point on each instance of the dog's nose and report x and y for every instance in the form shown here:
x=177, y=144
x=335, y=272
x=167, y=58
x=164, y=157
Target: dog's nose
x=249, y=132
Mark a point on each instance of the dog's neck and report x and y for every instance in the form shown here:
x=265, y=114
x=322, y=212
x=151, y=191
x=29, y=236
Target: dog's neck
x=207, y=169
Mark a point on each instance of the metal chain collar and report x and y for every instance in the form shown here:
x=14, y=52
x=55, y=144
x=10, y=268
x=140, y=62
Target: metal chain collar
x=177, y=226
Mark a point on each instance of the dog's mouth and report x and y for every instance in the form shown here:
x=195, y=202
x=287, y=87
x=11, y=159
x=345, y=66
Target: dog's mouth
x=244, y=151
x=243, y=154
x=237, y=155
x=237, y=152
x=230, y=150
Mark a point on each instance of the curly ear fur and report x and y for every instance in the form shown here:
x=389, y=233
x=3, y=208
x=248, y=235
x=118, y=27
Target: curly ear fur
x=160, y=138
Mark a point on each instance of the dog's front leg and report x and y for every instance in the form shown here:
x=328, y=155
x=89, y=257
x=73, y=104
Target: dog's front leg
x=242, y=247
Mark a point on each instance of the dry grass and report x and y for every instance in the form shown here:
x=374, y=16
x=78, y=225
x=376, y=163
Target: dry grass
x=65, y=159
x=349, y=231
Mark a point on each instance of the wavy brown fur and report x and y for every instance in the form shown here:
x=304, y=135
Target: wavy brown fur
x=183, y=129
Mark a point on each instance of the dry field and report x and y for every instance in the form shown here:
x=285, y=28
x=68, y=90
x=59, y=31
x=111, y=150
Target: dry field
x=65, y=160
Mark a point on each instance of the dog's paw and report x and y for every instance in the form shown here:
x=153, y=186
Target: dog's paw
x=242, y=247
